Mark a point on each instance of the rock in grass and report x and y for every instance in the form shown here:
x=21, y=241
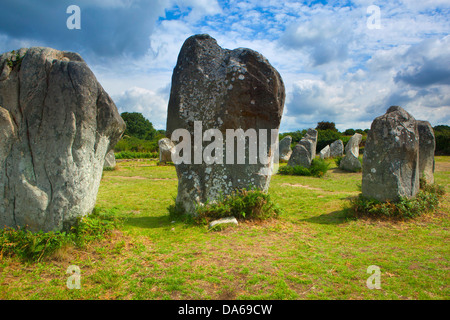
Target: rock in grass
x=350, y=161
x=427, y=146
x=336, y=149
x=57, y=124
x=325, y=153
x=166, y=149
x=391, y=157
x=228, y=220
x=305, y=151
x=352, y=146
x=222, y=89
x=285, y=148
x=110, y=160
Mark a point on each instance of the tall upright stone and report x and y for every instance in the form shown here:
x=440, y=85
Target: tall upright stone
x=222, y=89
x=337, y=149
x=350, y=161
x=57, y=124
x=391, y=157
x=427, y=146
x=110, y=160
x=166, y=149
x=305, y=151
x=325, y=152
x=284, y=148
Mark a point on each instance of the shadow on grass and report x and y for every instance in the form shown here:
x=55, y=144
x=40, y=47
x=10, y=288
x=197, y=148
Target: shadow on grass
x=335, y=217
x=147, y=222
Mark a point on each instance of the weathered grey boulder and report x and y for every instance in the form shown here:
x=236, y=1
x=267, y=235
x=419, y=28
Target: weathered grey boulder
x=166, y=149
x=391, y=157
x=300, y=157
x=427, y=146
x=284, y=148
x=305, y=151
x=56, y=126
x=325, y=152
x=337, y=149
x=350, y=161
x=222, y=89
x=110, y=160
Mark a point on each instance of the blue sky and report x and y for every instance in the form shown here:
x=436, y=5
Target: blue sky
x=334, y=65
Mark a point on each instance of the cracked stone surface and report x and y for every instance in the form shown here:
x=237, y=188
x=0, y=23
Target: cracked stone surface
x=224, y=89
x=391, y=157
x=56, y=126
x=427, y=146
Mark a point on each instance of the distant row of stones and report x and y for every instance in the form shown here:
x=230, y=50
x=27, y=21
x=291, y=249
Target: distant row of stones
x=304, y=152
x=58, y=128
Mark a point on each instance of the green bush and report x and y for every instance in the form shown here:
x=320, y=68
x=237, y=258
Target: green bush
x=338, y=160
x=133, y=144
x=34, y=246
x=243, y=204
x=318, y=168
x=425, y=201
x=136, y=155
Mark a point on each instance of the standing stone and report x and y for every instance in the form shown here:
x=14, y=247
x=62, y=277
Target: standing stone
x=56, y=126
x=350, y=161
x=312, y=136
x=222, y=89
x=110, y=160
x=166, y=149
x=305, y=151
x=285, y=148
x=336, y=149
x=300, y=157
x=427, y=146
x=391, y=157
x=352, y=146
x=325, y=153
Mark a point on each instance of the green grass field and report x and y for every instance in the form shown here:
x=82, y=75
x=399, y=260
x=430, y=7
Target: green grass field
x=310, y=252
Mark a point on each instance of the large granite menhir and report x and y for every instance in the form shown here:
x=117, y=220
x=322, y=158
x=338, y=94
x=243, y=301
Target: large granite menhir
x=56, y=126
x=391, y=157
x=223, y=89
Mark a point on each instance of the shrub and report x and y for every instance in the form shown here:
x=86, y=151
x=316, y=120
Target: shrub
x=426, y=200
x=243, y=204
x=133, y=144
x=34, y=246
x=136, y=155
x=318, y=168
x=338, y=160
